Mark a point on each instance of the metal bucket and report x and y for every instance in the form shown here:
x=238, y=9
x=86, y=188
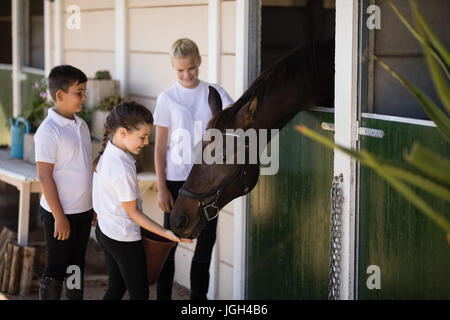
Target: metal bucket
x=156, y=250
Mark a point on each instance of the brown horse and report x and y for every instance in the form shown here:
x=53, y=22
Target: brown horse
x=304, y=78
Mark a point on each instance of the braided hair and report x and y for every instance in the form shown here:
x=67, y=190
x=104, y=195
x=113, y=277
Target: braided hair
x=129, y=115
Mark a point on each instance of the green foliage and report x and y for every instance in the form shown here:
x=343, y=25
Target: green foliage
x=422, y=168
x=108, y=103
x=35, y=112
x=102, y=75
x=86, y=115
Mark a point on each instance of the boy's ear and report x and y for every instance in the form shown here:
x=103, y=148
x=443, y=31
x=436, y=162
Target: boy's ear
x=59, y=95
x=214, y=101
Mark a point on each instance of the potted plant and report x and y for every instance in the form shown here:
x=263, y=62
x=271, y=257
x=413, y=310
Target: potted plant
x=34, y=114
x=100, y=112
x=99, y=87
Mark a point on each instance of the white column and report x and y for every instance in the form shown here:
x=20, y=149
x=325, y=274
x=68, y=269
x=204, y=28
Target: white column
x=121, y=46
x=57, y=31
x=16, y=56
x=241, y=46
x=240, y=204
x=214, y=51
x=47, y=37
x=214, y=40
x=345, y=117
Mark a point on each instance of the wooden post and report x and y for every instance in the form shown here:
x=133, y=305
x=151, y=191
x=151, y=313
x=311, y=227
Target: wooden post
x=5, y=235
x=7, y=260
x=2, y=270
x=24, y=214
x=16, y=266
x=27, y=270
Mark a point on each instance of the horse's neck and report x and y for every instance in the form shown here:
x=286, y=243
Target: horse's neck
x=275, y=113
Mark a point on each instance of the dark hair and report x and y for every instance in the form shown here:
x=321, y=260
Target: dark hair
x=62, y=77
x=129, y=115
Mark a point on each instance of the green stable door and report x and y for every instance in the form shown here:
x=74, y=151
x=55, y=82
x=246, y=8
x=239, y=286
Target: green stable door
x=411, y=252
x=288, y=222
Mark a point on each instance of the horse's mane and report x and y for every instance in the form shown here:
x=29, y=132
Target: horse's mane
x=294, y=65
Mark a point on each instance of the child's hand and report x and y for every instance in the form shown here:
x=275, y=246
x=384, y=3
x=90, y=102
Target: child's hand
x=62, y=228
x=165, y=199
x=170, y=235
x=186, y=240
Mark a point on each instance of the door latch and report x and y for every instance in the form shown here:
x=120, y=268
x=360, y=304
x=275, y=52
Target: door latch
x=362, y=131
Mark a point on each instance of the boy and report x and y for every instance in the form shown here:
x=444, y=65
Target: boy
x=63, y=160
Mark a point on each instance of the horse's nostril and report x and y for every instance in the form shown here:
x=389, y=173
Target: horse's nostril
x=181, y=222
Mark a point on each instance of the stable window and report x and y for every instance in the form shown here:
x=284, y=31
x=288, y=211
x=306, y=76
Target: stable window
x=395, y=45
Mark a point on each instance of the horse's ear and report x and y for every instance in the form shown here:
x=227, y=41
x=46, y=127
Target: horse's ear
x=246, y=114
x=251, y=110
x=214, y=101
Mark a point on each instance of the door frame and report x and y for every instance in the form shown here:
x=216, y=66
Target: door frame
x=248, y=24
x=248, y=57
x=346, y=124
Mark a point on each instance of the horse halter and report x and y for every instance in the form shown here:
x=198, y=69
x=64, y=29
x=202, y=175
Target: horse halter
x=201, y=197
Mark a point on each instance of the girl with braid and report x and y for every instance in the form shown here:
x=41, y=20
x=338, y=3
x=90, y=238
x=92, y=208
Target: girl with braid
x=118, y=204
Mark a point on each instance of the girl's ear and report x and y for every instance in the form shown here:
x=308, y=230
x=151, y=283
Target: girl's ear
x=122, y=132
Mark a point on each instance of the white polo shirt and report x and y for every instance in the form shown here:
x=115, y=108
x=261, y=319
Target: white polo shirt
x=67, y=144
x=179, y=108
x=115, y=181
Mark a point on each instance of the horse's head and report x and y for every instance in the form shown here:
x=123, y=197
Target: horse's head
x=216, y=181
x=298, y=81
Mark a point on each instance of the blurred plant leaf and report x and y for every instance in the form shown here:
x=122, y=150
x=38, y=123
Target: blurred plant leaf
x=436, y=43
x=367, y=159
x=430, y=162
x=441, y=55
x=432, y=110
x=419, y=181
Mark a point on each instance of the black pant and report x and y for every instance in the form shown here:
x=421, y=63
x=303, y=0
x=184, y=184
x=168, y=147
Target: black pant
x=201, y=260
x=72, y=251
x=127, y=268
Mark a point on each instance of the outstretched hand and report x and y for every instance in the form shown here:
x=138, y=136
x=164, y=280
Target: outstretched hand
x=171, y=236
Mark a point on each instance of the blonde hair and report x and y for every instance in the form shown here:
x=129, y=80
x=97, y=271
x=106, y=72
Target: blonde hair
x=183, y=48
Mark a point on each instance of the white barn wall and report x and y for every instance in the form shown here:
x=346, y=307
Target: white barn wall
x=152, y=27
x=90, y=48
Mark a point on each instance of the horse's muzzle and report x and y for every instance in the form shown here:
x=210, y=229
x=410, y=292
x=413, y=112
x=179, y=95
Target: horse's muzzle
x=178, y=223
